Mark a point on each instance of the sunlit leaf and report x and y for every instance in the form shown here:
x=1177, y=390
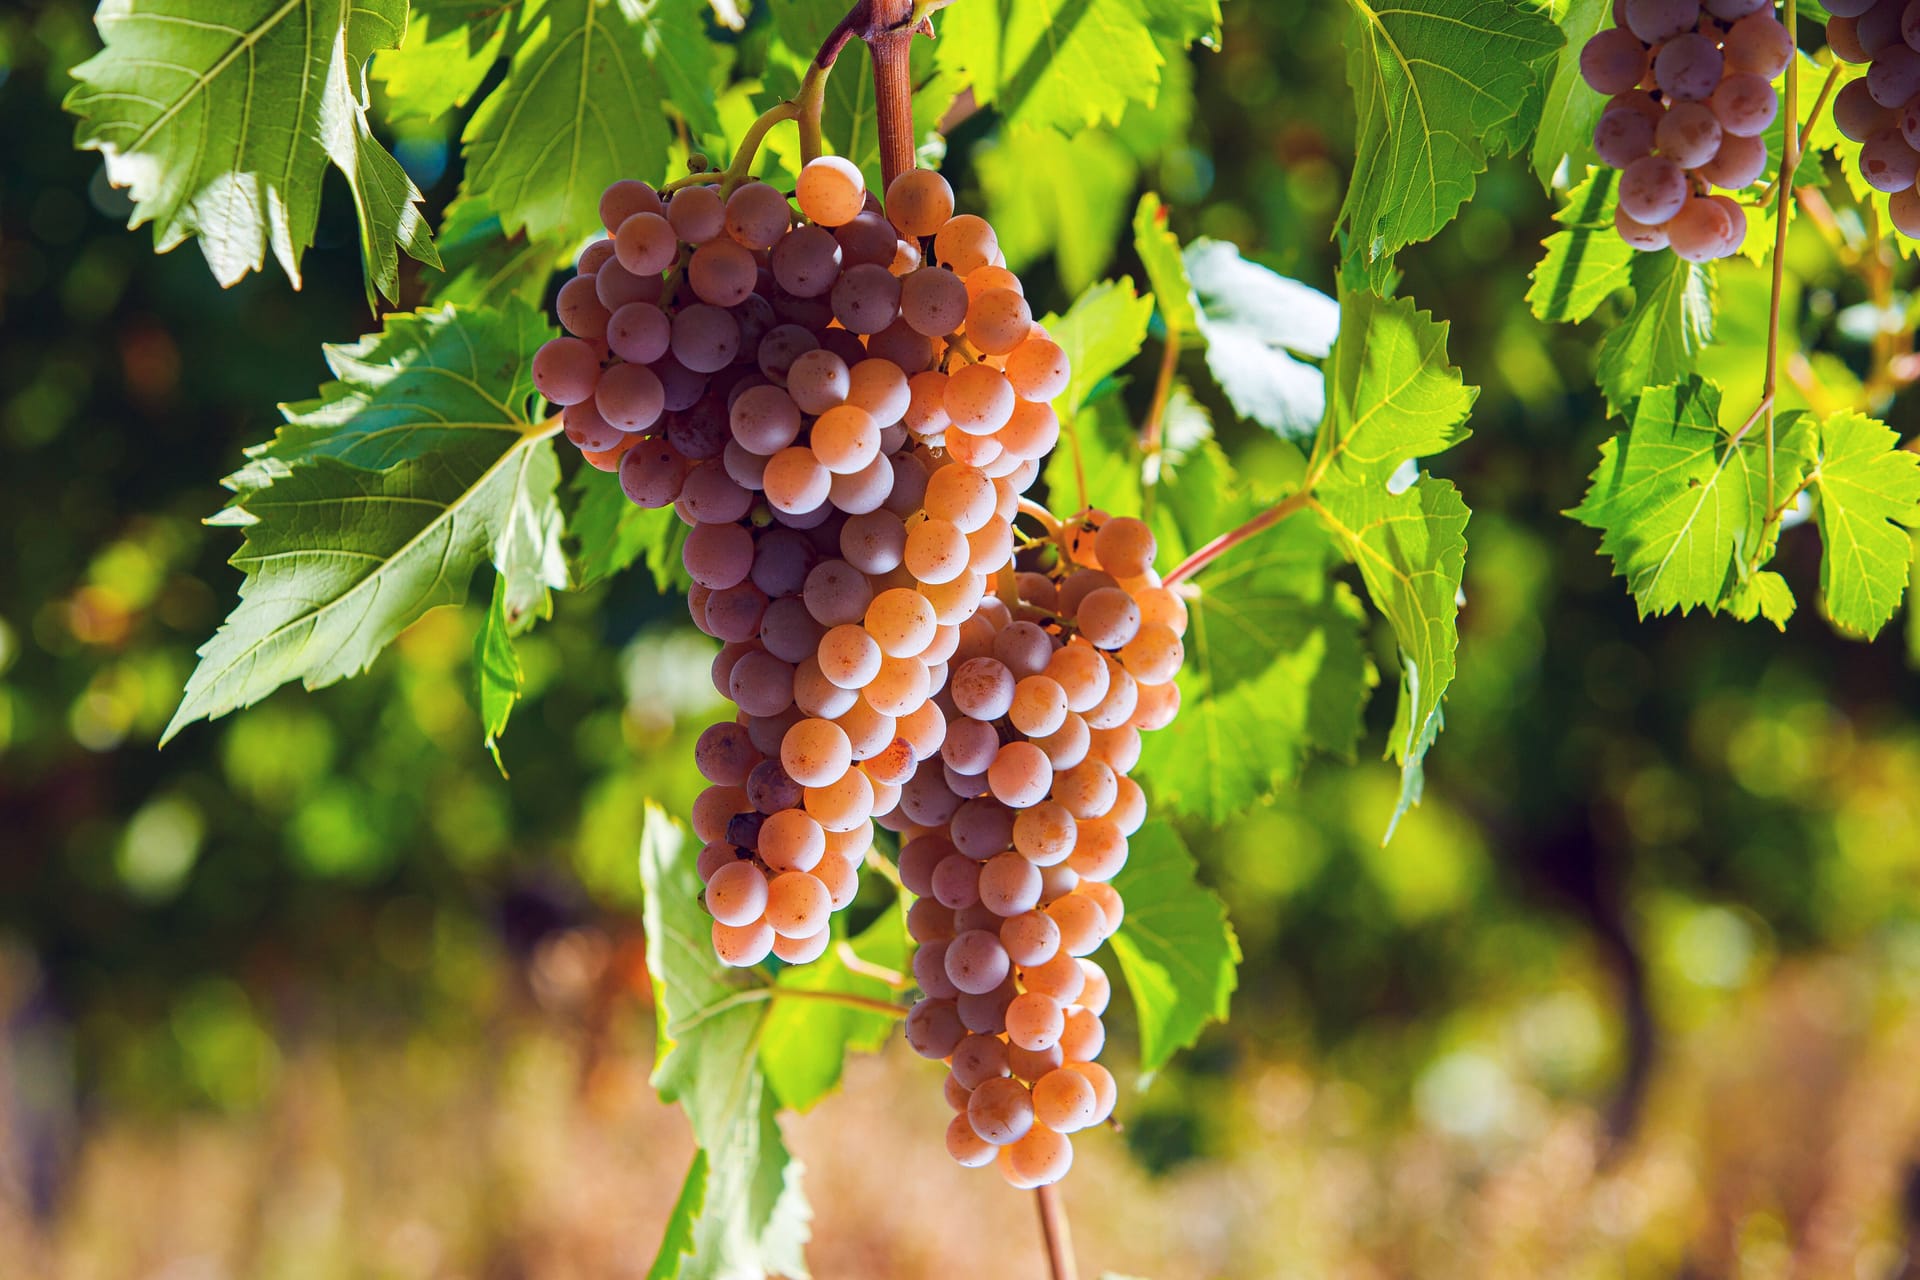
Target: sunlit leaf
x=1176, y=949
x=378, y=501
x=1438, y=87
x=222, y=116
x=1868, y=491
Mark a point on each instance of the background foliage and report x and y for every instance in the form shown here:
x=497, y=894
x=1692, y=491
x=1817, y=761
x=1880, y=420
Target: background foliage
x=1634, y=988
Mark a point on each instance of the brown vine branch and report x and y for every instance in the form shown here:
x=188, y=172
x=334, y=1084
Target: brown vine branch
x=1058, y=1234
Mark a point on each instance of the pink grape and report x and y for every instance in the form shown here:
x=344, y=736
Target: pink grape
x=1689, y=134
x=566, y=371
x=1739, y=163
x=1614, y=61
x=1688, y=67
x=1652, y=190
x=1745, y=105
x=1622, y=136
x=1657, y=21
x=1700, y=231
x=1887, y=162
x=1856, y=114
x=1894, y=77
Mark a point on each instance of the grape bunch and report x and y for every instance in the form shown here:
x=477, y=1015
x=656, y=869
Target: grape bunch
x=1690, y=94
x=1881, y=110
x=1012, y=834
x=844, y=407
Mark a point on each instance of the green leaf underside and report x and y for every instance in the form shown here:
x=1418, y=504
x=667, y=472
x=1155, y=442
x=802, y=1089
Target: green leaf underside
x=678, y=1241
x=804, y=1045
x=496, y=669
x=1679, y=506
x=1588, y=262
x=1571, y=108
x=754, y=1217
x=1255, y=322
x=221, y=117
x=1868, y=494
x=1762, y=595
x=1176, y=948
x=1438, y=87
x=377, y=502
x=1670, y=321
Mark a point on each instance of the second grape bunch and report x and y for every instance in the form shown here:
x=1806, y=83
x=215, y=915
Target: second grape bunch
x=1690, y=90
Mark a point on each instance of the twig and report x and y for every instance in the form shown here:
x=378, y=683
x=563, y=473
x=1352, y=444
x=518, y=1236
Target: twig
x=1806, y=130
x=1058, y=1234
x=1234, y=537
x=867, y=969
x=1154, y=431
x=847, y=998
x=1782, y=212
x=1028, y=507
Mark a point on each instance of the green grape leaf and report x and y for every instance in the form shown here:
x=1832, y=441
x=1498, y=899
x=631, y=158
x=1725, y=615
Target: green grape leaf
x=1670, y=321
x=449, y=48
x=804, y=1046
x=609, y=533
x=1411, y=549
x=1438, y=87
x=1255, y=322
x=222, y=118
x=1101, y=332
x=1159, y=251
x=1868, y=493
x=1564, y=140
x=482, y=266
x=379, y=499
x=1176, y=948
x=1762, y=595
x=1679, y=505
x=1588, y=262
x=497, y=669
x=754, y=1216
x=1078, y=222
x=580, y=108
x=678, y=1242
x=1060, y=64
x=1391, y=395
x=1275, y=650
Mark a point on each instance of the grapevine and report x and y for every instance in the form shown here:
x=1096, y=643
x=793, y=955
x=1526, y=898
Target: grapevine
x=1010, y=609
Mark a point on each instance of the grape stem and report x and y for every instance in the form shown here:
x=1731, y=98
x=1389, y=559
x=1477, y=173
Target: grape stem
x=1806, y=130
x=1234, y=537
x=1055, y=1229
x=1782, y=214
x=1154, y=431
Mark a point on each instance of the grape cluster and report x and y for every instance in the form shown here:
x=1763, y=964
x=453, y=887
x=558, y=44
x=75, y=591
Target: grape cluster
x=844, y=407
x=1881, y=110
x=1011, y=836
x=1690, y=88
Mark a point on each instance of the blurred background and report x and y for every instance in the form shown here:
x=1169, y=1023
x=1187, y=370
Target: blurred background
x=316, y=992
